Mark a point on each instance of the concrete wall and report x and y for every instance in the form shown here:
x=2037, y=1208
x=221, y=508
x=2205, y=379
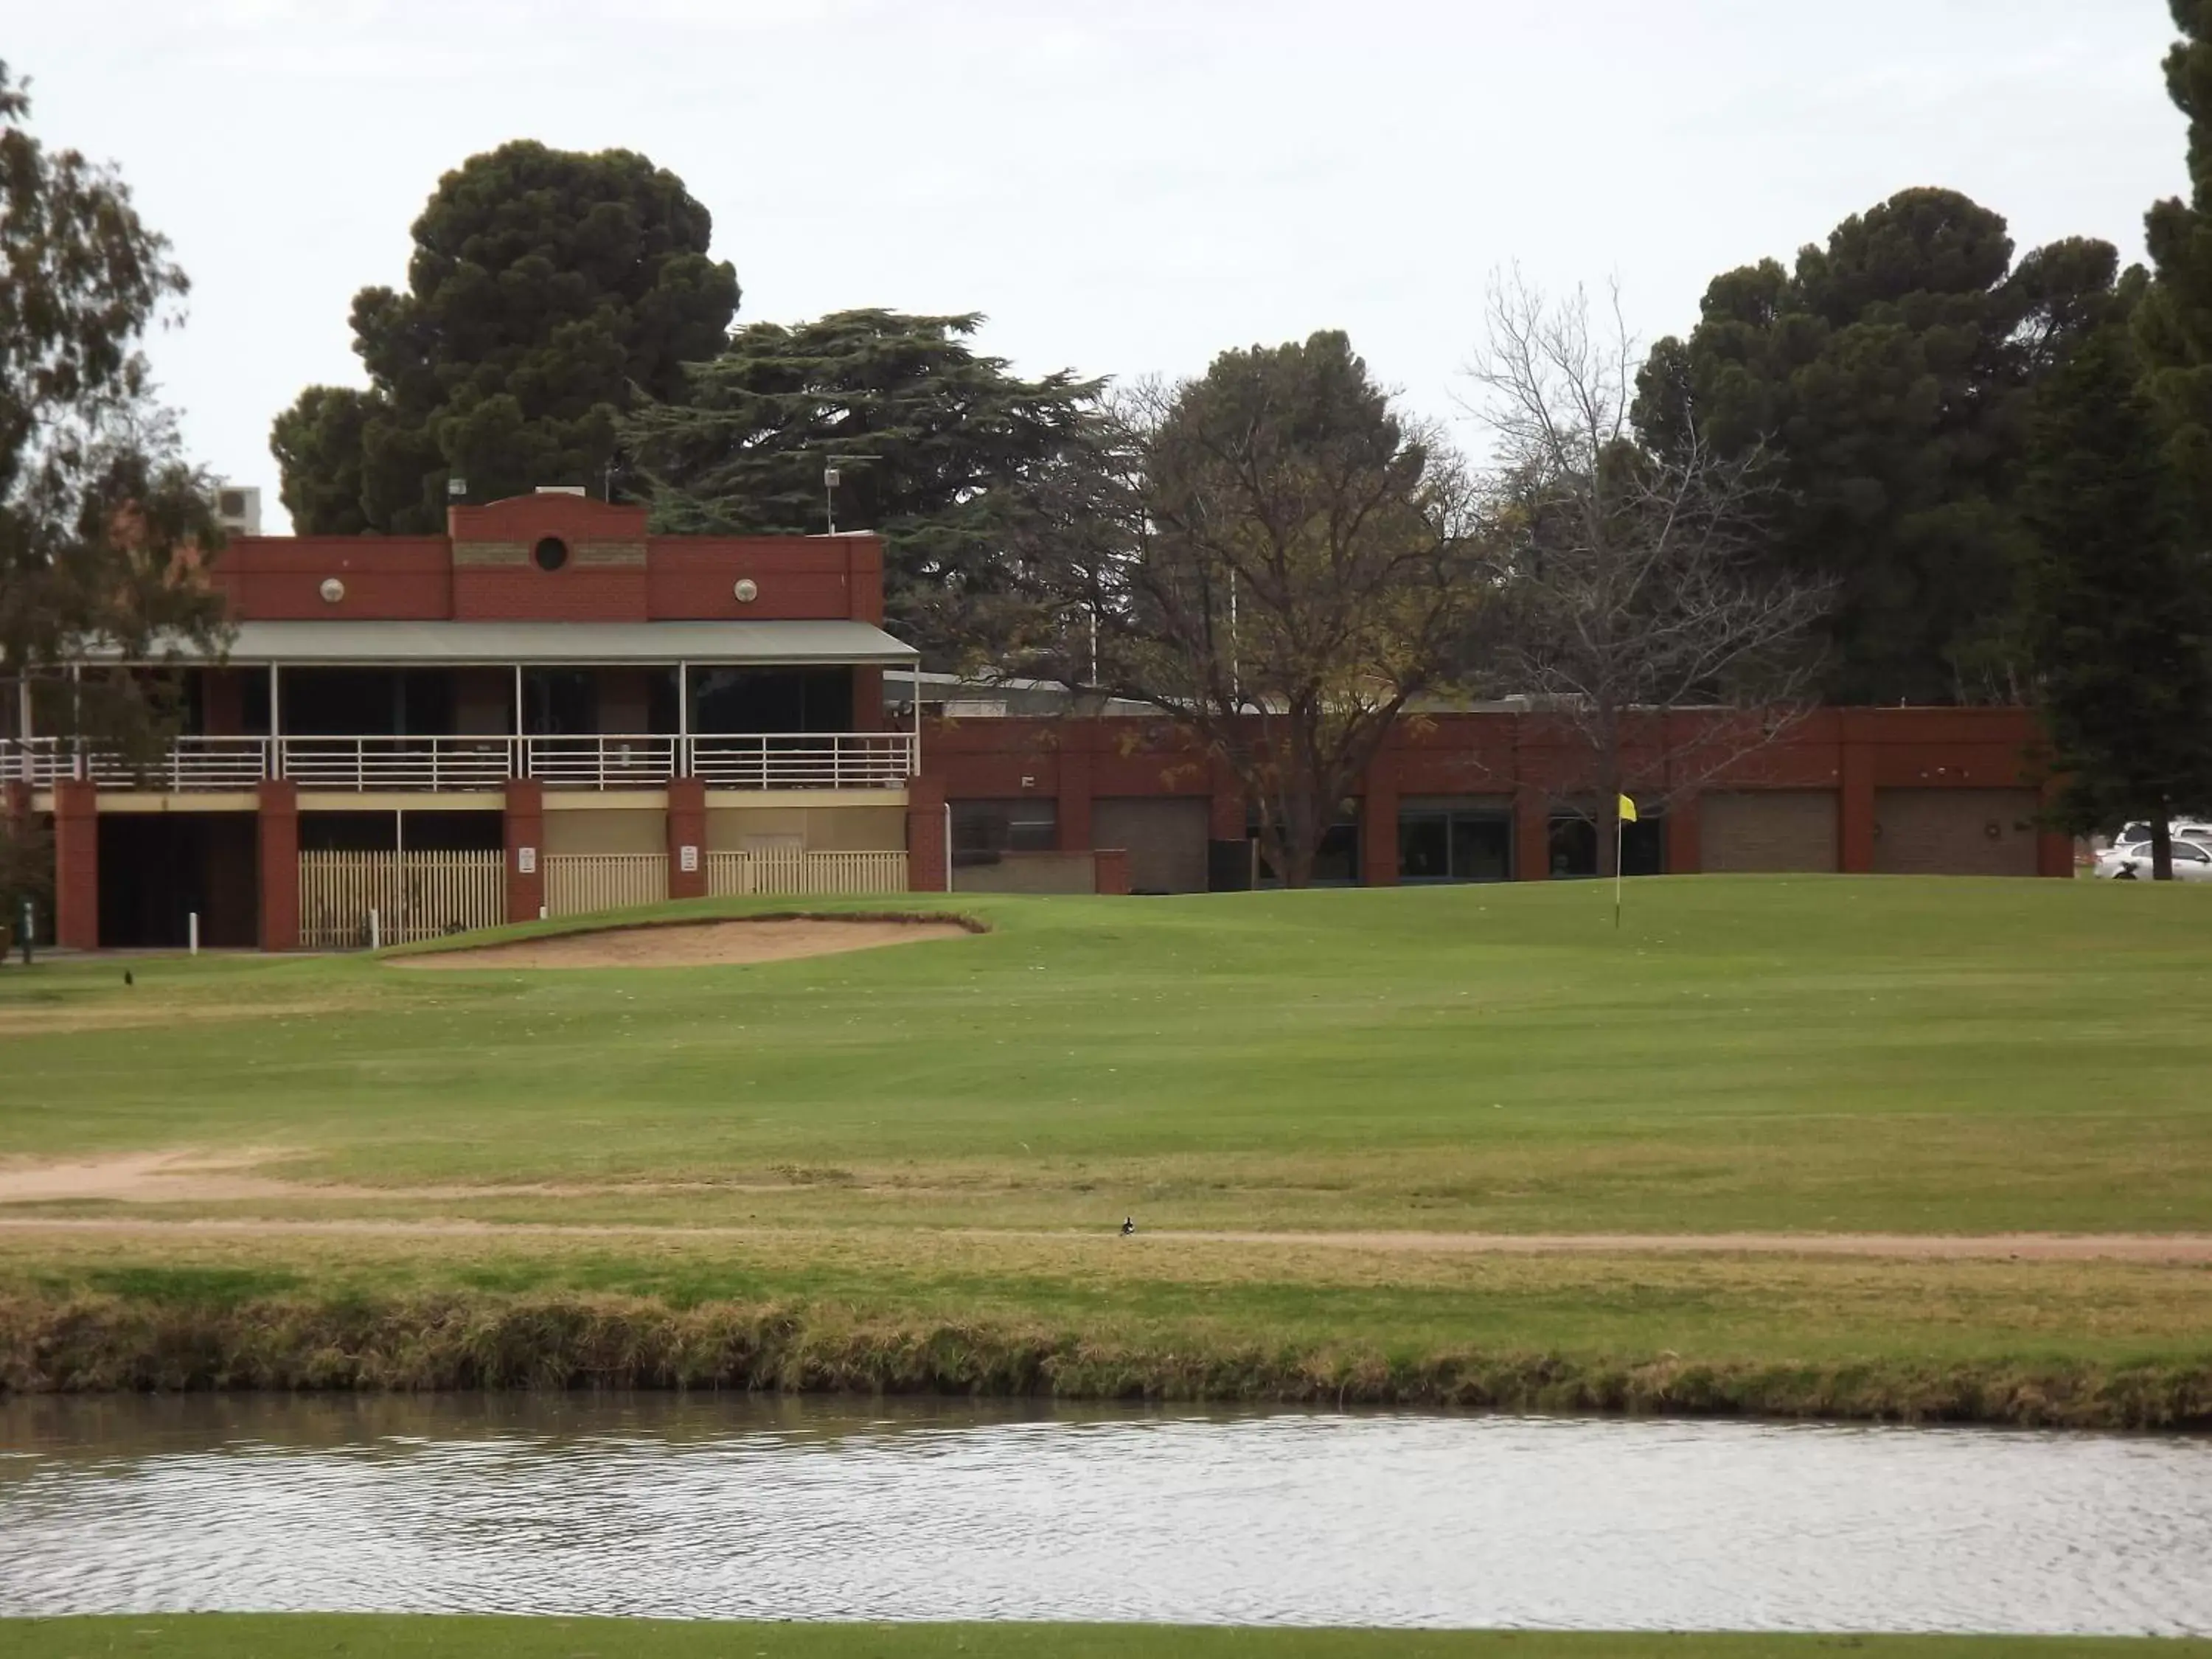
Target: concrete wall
x=1030, y=872
x=1164, y=837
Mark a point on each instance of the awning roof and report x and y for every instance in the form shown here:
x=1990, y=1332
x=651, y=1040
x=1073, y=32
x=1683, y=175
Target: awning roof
x=565, y=644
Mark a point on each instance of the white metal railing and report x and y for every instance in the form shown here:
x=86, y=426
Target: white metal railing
x=602, y=763
x=796, y=760
x=805, y=760
x=359, y=764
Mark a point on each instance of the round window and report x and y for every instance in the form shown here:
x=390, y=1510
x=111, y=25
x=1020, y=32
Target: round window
x=550, y=553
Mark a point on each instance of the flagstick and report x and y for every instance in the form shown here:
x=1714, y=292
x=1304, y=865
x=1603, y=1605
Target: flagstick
x=1619, y=841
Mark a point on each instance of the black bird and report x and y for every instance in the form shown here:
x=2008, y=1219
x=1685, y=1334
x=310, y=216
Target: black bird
x=127, y=980
x=1128, y=1225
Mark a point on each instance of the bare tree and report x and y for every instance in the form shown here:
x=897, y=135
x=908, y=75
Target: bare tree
x=1637, y=609
x=1290, y=565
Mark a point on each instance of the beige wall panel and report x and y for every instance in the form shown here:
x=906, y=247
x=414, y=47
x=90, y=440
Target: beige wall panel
x=855, y=830
x=1165, y=838
x=617, y=829
x=1954, y=832
x=727, y=829
x=1743, y=831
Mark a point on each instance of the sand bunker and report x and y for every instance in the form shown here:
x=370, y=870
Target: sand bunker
x=702, y=943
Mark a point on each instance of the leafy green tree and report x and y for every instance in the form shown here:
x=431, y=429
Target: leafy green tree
x=1295, y=566
x=548, y=290
x=2173, y=326
x=103, y=525
x=1891, y=374
x=938, y=448
x=2119, y=602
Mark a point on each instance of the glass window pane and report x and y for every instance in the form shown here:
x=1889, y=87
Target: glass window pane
x=1424, y=848
x=1481, y=847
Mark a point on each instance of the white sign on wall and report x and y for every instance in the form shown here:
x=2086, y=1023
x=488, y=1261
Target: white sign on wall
x=687, y=859
x=526, y=860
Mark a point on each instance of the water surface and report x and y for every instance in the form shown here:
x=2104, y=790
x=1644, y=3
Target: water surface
x=731, y=1507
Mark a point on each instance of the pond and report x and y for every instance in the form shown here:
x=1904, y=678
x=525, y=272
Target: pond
x=713, y=1507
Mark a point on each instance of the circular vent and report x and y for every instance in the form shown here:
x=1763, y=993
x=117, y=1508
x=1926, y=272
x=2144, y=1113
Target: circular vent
x=550, y=554
x=747, y=590
x=332, y=590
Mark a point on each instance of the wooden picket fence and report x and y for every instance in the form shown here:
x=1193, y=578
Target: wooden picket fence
x=791, y=872
x=413, y=895
x=577, y=884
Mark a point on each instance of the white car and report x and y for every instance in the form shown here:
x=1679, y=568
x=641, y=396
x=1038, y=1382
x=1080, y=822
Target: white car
x=2131, y=862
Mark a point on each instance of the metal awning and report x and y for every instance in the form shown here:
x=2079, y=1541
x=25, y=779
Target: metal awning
x=565, y=644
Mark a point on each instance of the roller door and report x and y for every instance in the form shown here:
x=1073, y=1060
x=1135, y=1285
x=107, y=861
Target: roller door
x=1164, y=837
x=1768, y=830
x=1954, y=832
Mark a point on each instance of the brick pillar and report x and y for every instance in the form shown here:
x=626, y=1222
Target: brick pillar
x=1855, y=820
x=1378, y=825
x=687, y=830
x=279, y=824
x=1111, y=866
x=1073, y=808
x=1532, y=834
x=926, y=871
x=868, y=712
x=1684, y=854
x=525, y=848
x=2054, y=849
x=76, y=866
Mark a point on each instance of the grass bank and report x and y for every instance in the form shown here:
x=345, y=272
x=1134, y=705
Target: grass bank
x=297, y=1637
x=902, y=1168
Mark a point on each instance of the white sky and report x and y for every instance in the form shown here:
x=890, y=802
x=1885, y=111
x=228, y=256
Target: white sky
x=1125, y=186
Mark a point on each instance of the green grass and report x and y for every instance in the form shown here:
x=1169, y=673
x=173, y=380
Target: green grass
x=272, y=1637
x=940, y=1136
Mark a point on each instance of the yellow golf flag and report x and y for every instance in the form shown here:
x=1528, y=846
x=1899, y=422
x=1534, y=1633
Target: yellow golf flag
x=1627, y=809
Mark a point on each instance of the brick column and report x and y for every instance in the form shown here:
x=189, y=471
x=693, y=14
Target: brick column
x=279, y=824
x=1685, y=853
x=686, y=828
x=2054, y=849
x=76, y=866
x=1855, y=819
x=526, y=844
x=1378, y=825
x=1532, y=834
x=926, y=871
x=1073, y=808
x=868, y=712
x=1111, y=868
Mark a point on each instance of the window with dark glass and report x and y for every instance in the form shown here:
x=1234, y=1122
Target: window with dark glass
x=984, y=831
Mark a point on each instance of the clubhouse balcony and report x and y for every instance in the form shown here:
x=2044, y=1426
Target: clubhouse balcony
x=446, y=707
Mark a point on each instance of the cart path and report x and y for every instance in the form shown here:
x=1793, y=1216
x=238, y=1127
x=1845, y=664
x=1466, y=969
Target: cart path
x=2194, y=1248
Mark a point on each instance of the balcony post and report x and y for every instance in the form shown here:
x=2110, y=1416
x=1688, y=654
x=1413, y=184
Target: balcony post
x=275, y=728
x=24, y=724
x=682, y=768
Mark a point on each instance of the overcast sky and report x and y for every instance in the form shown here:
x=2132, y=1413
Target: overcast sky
x=1125, y=186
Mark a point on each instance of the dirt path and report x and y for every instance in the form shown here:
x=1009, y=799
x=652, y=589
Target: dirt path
x=2192, y=1248
x=696, y=945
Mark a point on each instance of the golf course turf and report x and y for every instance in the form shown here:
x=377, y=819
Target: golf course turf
x=309, y=1636
x=904, y=1167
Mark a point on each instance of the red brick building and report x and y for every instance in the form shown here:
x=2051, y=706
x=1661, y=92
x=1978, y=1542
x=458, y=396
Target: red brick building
x=548, y=710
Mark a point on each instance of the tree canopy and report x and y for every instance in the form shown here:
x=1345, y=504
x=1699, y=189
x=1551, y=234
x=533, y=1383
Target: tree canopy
x=1296, y=566
x=102, y=522
x=1890, y=374
x=547, y=290
x=2173, y=325
x=2119, y=601
x=938, y=448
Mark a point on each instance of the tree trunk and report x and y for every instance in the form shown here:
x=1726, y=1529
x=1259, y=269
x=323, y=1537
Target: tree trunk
x=2161, y=846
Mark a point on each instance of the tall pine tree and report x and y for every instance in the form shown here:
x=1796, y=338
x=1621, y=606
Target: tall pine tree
x=2173, y=325
x=2119, y=602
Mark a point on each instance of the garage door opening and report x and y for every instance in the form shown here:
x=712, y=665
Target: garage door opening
x=157, y=870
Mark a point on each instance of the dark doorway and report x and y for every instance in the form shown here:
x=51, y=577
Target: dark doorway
x=157, y=869
x=383, y=832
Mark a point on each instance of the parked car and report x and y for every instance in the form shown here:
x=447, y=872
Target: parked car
x=2131, y=862
x=2180, y=828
